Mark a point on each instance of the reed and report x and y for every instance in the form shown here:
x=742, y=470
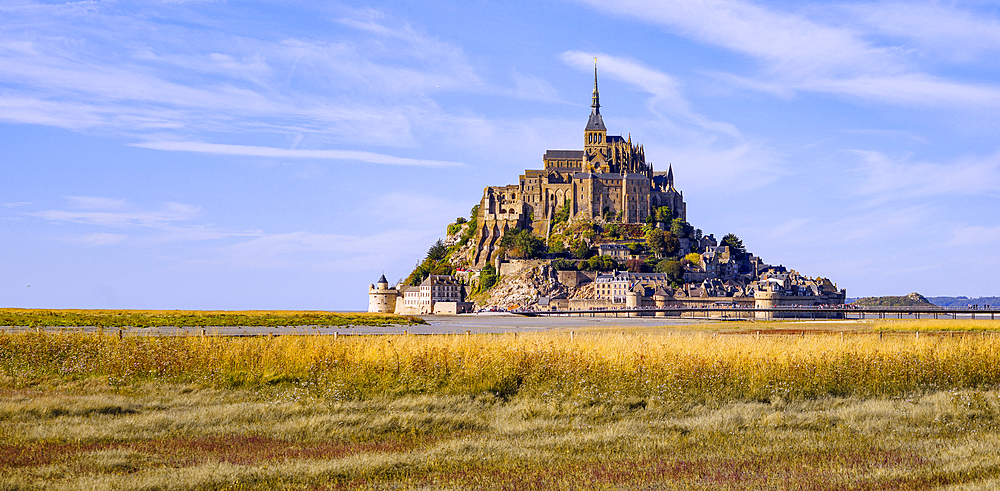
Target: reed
x=603, y=410
x=938, y=325
x=678, y=367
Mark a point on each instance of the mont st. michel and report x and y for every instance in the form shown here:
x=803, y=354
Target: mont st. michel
x=596, y=228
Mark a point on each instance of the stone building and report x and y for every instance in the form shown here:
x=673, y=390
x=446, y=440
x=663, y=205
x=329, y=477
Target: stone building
x=612, y=286
x=382, y=298
x=616, y=286
x=609, y=179
x=620, y=252
x=436, y=294
x=778, y=287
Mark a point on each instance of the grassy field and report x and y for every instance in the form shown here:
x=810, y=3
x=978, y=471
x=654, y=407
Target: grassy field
x=194, y=318
x=643, y=409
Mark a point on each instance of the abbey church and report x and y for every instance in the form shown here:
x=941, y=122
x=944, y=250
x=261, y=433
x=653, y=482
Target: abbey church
x=609, y=179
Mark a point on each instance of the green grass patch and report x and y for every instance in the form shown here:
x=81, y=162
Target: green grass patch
x=195, y=318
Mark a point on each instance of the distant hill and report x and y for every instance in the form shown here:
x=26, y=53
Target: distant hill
x=963, y=301
x=912, y=300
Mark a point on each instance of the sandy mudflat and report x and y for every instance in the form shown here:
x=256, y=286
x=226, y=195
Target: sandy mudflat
x=437, y=324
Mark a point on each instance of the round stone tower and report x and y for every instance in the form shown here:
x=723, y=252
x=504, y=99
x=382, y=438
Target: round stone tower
x=765, y=300
x=381, y=298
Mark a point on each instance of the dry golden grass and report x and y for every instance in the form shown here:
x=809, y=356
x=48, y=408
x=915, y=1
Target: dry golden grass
x=601, y=411
x=176, y=437
x=698, y=366
x=938, y=325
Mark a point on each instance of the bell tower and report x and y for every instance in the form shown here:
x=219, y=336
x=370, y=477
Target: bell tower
x=595, y=136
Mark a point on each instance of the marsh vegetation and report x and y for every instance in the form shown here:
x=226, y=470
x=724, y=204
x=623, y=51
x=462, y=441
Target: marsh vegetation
x=194, y=318
x=608, y=409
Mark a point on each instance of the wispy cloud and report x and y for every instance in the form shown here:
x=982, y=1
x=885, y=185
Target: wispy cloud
x=96, y=203
x=883, y=133
x=960, y=34
x=532, y=88
x=906, y=89
x=415, y=210
x=102, y=238
x=16, y=204
x=666, y=99
x=255, y=151
x=330, y=252
x=788, y=44
x=705, y=167
x=99, y=69
x=887, y=178
x=168, y=222
x=800, y=53
x=701, y=142
x=166, y=214
x=975, y=236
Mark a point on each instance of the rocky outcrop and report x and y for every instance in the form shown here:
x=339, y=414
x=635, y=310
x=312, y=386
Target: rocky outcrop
x=585, y=292
x=912, y=300
x=522, y=283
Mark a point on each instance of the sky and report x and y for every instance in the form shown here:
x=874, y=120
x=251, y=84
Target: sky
x=282, y=155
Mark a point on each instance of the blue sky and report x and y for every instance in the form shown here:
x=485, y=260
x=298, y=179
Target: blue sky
x=255, y=155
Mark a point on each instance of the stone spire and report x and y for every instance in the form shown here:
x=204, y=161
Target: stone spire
x=670, y=176
x=596, y=122
x=596, y=102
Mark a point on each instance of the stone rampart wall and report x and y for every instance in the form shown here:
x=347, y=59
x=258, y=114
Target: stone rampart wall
x=574, y=279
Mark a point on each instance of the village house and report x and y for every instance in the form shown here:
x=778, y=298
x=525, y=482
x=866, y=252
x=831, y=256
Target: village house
x=437, y=294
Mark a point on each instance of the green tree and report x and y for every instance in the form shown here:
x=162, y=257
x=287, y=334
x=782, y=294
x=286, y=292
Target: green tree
x=521, y=244
x=419, y=273
x=563, y=265
x=442, y=268
x=735, y=246
x=664, y=214
x=654, y=240
x=599, y=263
x=471, y=230
x=436, y=262
x=437, y=251
x=663, y=244
x=487, y=278
x=562, y=215
x=671, y=244
x=581, y=250
x=557, y=244
x=680, y=228
x=636, y=266
x=607, y=263
x=693, y=259
x=673, y=269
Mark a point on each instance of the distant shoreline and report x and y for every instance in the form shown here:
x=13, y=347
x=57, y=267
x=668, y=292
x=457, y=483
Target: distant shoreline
x=959, y=301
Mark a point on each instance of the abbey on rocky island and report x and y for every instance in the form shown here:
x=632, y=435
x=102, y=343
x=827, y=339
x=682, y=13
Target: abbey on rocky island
x=609, y=178
x=607, y=200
